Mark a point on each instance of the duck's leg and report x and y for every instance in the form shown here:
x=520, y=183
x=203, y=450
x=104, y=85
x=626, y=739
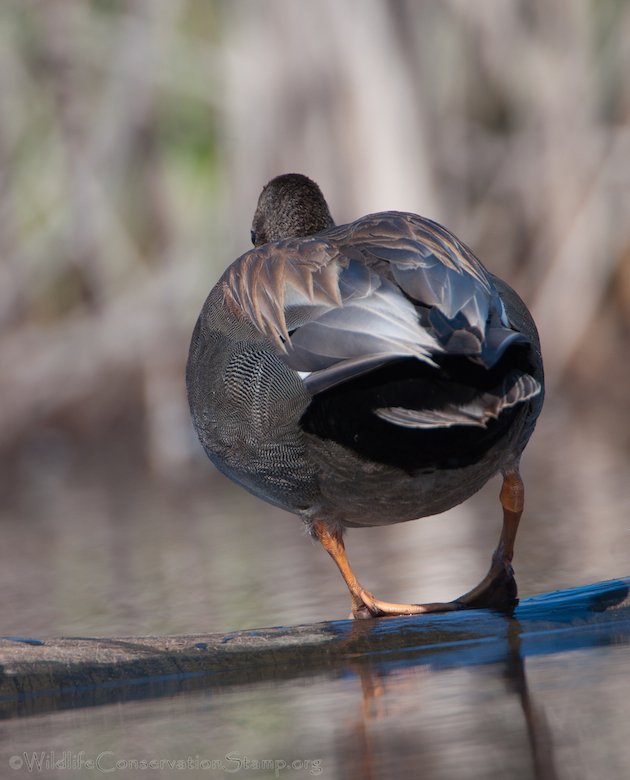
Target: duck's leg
x=498, y=589
x=364, y=605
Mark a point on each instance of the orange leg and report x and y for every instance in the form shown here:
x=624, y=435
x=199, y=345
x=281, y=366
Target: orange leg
x=497, y=589
x=364, y=605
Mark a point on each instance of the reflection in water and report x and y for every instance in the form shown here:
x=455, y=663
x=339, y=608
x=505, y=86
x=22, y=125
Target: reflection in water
x=527, y=743
x=359, y=753
x=360, y=760
x=538, y=732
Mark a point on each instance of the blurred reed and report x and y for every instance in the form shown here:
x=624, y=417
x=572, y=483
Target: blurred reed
x=135, y=137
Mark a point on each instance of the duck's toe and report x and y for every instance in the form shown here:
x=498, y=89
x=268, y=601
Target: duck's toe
x=365, y=607
x=498, y=592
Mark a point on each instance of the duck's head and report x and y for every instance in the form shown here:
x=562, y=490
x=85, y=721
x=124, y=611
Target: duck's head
x=290, y=205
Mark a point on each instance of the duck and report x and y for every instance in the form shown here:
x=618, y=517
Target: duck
x=366, y=374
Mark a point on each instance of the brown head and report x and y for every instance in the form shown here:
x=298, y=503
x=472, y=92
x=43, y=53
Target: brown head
x=290, y=205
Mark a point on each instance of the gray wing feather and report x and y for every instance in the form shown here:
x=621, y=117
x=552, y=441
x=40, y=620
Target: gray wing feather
x=377, y=321
x=357, y=296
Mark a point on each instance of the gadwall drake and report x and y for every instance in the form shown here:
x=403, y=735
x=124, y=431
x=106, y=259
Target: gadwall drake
x=366, y=374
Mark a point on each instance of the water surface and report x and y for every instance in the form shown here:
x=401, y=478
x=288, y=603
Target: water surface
x=92, y=548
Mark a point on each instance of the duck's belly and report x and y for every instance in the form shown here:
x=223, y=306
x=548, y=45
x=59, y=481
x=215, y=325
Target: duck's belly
x=354, y=492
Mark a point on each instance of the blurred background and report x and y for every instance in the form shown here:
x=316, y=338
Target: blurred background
x=135, y=136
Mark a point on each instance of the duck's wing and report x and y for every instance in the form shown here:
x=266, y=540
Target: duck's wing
x=328, y=315
x=356, y=297
x=455, y=296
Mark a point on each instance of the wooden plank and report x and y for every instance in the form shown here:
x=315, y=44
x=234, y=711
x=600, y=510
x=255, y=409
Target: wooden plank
x=38, y=674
